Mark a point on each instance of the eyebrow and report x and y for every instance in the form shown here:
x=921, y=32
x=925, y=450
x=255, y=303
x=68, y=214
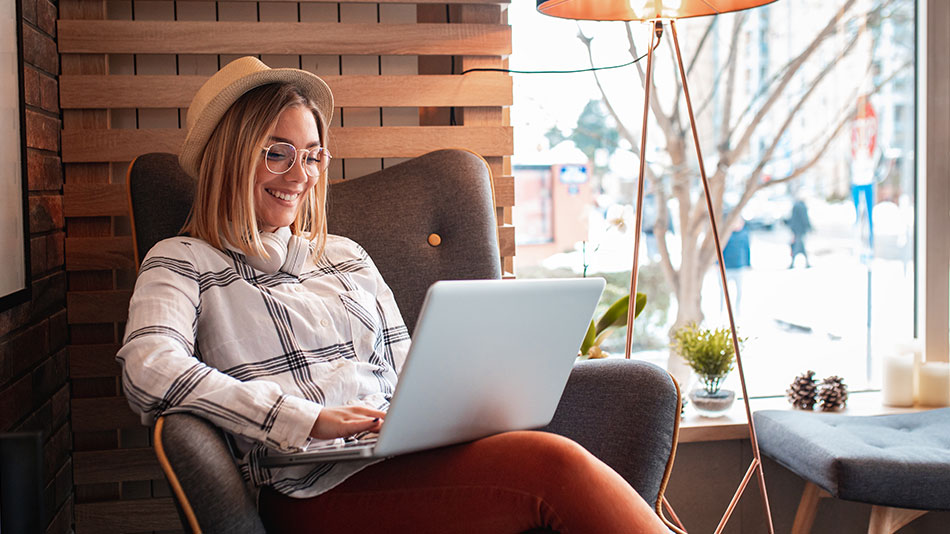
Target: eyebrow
x=289, y=142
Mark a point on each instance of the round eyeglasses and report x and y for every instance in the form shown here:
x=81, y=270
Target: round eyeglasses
x=279, y=158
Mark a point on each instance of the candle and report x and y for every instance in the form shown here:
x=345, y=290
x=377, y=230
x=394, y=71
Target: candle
x=916, y=348
x=934, y=384
x=897, y=385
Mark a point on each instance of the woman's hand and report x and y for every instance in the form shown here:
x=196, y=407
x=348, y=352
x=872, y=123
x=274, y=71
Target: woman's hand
x=343, y=421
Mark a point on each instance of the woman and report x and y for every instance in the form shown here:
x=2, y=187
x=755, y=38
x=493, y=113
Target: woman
x=285, y=337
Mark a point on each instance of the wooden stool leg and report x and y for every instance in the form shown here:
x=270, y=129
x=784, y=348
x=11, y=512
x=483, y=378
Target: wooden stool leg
x=888, y=520
x=807, y=508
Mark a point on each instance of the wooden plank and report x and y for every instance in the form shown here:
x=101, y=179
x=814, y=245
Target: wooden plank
x=360, y=65
x=132, y=515
x=506, y=240
x=93, y=361
x=84, y=307
x=504, y=191
x=398, y=65
x=117, y=465
x=124, y=145
x=379, y=1
x=102, y=413
x=96, y=65
x=194, y=37
x=94, y=200
x=94, y=253
x=86, y=146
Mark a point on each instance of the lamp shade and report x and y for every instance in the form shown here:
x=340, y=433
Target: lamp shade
x=642, y=9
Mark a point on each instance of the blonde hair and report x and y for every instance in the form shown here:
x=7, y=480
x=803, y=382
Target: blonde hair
x=223, y=211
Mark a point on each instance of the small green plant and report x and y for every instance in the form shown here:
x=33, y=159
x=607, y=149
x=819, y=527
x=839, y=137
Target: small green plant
x=708, y=352
x=614, y=317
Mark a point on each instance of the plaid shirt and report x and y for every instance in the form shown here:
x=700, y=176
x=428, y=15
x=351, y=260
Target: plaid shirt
x=260, y=354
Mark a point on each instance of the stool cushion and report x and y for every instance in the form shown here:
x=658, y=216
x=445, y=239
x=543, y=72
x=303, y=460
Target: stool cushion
x=900, y=460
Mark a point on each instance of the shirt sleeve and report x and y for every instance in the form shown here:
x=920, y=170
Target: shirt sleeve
x=162, y=372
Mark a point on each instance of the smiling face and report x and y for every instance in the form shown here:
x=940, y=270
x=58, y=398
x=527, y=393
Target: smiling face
x=277, y=197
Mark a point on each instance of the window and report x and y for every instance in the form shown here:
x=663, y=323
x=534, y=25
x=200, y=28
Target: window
x=815, y=160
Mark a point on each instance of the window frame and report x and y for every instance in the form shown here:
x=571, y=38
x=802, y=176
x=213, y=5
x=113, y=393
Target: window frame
x=933, y=164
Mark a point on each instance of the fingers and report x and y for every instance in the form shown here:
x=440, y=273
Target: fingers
x=368, y=412
x=344, y=421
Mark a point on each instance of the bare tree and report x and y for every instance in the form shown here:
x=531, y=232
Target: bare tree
x=736, y=130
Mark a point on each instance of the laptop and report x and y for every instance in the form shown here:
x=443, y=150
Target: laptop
x=487, y=356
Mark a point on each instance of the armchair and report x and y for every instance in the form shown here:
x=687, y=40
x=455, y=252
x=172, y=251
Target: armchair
x=426, y=219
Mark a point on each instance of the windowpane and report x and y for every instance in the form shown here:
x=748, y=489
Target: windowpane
x=805, y=112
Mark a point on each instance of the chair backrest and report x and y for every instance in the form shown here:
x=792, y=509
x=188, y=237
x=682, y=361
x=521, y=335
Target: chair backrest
x=395, y=214
x=430, y=218
x=427, y=219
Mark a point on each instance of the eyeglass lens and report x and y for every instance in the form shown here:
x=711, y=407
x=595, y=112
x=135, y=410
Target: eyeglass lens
x=280, y=158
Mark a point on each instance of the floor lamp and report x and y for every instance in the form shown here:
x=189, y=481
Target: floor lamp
x=658, y=12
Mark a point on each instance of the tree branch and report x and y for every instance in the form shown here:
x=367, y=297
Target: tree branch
x=783, y=82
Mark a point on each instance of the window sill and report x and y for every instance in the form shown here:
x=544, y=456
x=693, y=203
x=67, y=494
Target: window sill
x=695, y=428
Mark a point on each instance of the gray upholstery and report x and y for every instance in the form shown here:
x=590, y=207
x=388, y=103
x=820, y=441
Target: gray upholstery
x=160, y=193
x=392, y=212
x=202, y=463
x=624, y=412
x=900, y=460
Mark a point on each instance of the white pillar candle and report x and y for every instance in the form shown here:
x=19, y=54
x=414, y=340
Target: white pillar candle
x=916, y=348
x=897, y=384
x=934, y=383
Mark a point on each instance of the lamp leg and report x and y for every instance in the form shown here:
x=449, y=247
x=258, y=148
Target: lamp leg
x=657, y=27
x=757, y=460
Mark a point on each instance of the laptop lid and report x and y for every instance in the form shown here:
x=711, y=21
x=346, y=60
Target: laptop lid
x=487, y=356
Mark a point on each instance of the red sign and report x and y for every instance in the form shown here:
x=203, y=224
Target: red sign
x=864, y=130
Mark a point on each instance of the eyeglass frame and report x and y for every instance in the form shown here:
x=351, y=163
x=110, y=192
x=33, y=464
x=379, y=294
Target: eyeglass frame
x=322, y=152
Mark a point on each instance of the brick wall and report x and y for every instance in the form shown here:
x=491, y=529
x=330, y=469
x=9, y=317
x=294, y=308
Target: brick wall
x=34, y=381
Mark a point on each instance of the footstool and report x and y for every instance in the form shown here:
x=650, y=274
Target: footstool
x=898, y=463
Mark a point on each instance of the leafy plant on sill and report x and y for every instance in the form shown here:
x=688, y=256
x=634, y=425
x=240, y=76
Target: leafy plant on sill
x=614, y=317
x=708, y=352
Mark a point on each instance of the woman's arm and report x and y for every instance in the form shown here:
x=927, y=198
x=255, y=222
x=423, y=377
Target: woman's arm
x=162, y=373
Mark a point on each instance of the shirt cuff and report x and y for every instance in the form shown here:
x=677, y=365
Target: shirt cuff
x=294, y=420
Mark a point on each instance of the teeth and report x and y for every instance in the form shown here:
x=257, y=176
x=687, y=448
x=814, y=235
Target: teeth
x=282, y=196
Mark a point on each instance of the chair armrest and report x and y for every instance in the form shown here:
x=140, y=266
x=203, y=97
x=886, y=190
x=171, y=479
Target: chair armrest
x=195, y=457
x=625, y=412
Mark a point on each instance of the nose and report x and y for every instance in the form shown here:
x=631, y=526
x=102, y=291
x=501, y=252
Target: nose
x=296, y=172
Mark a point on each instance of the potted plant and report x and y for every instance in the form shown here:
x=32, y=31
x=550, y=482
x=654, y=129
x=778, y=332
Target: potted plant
x=614, y=317
x=710, y=354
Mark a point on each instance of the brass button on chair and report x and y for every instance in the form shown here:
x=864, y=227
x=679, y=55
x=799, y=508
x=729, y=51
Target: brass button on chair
x=625, y=412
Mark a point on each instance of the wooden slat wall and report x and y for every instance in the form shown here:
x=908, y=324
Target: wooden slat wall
x=129, y=71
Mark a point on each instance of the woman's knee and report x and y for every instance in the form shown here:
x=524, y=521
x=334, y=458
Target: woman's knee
x=552, y=458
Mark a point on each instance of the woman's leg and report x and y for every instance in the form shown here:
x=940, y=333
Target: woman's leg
x=506, y=483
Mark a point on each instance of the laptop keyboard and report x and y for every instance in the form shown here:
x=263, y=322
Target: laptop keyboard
x=359, y=440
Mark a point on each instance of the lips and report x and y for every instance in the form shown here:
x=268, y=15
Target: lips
x=282, y=196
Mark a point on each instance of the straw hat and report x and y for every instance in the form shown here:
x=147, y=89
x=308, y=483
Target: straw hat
x=227, y=85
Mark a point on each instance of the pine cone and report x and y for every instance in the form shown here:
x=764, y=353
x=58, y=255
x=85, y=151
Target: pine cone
x=832, y=393
x=802, y=392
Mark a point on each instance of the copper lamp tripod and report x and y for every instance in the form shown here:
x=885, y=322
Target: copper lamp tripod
x=656, y=14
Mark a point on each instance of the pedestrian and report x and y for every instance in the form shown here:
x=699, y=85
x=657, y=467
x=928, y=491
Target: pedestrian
x=799, y=223
x=736, y=258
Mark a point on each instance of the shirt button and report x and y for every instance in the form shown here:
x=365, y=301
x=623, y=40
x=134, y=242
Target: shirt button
x=299, y=289
x=324, y=322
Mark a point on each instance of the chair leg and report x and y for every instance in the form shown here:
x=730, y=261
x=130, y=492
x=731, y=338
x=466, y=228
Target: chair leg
x=807, y=508
x=888, y=520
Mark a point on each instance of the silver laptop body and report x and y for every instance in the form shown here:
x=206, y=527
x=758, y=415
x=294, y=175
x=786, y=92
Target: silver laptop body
x=487, y=356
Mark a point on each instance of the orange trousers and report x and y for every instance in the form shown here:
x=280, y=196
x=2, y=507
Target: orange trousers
x=507, y=483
